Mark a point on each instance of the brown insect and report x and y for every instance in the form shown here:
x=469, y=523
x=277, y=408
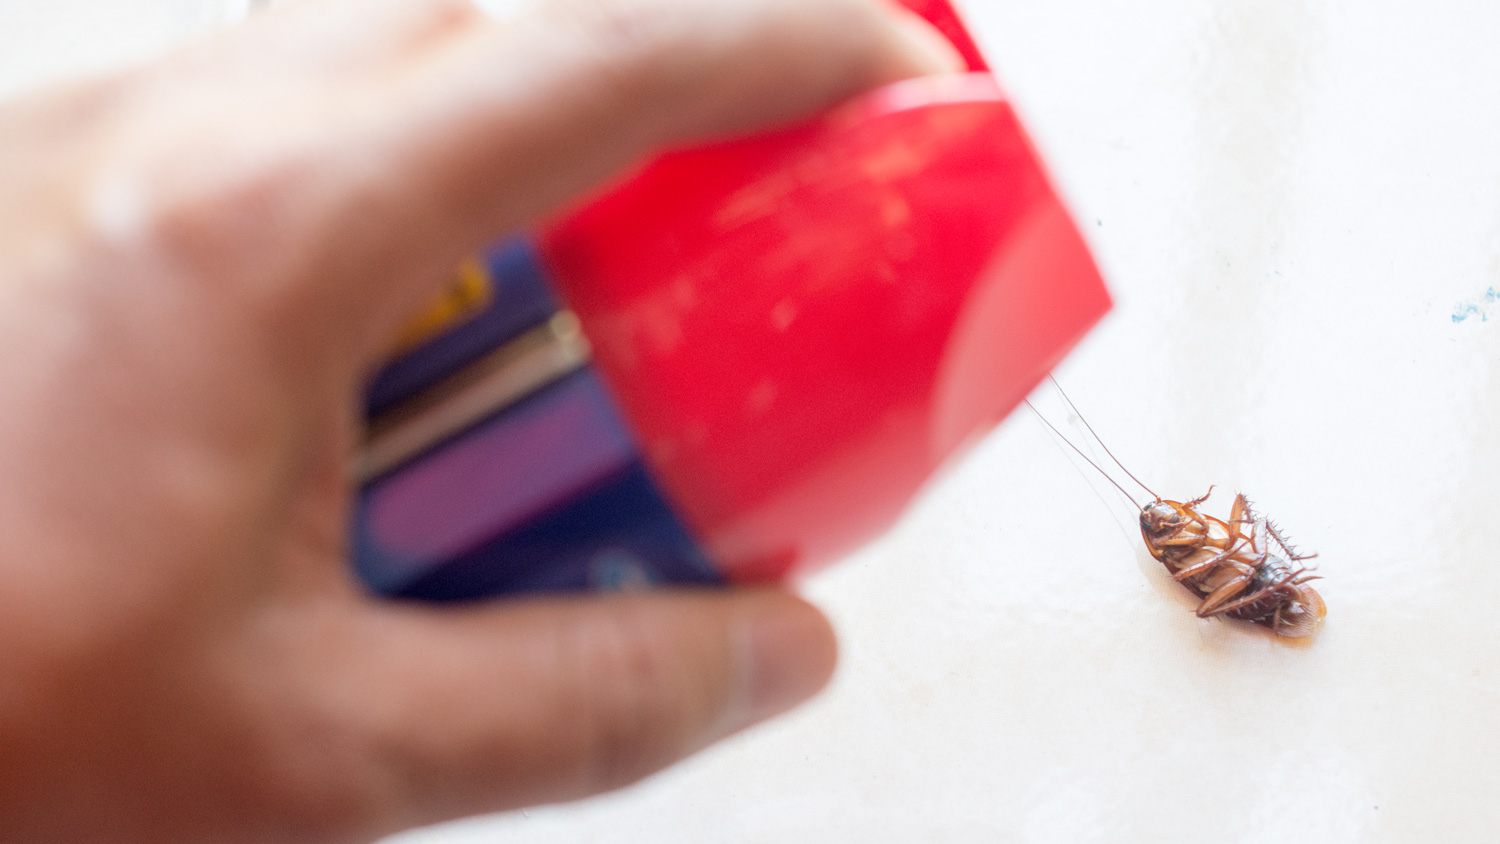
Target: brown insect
x=1241, y=568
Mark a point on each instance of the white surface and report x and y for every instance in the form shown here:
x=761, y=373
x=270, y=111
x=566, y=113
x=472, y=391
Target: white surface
x=1297, y=205
x=43, y=39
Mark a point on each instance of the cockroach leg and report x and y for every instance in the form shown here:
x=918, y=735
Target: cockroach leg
x=1257, y=595
x=1195, y=569
x=1179, y=540
x=1214, y=603
x=1193, y=505
x=1240, y=511
x=1224, y=557
x=1291, y=551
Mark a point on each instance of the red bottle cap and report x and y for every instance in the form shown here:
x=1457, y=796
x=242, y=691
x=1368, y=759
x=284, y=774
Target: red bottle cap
x=802, y=327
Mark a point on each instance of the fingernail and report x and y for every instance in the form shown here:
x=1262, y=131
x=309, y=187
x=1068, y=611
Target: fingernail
x=787, y=653
x=927, y=49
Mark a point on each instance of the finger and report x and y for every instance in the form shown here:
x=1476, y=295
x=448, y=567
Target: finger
x=519, y=116
x=519, y=704
x=343, y=189
x=324, y=39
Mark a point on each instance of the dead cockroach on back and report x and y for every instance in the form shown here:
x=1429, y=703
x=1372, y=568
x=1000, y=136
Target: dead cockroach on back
x=1242, y=568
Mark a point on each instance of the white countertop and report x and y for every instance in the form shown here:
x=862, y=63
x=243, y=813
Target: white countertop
x=1297, y=206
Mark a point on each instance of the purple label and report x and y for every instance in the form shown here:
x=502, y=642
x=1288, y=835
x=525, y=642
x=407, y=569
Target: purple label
x=546, y=494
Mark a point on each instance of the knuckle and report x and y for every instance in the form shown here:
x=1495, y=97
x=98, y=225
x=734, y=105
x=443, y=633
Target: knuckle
x=634, y=49
x=223, y=218
x=231, y=237
x=649, y=703
x=447, y=15
x=623, y=27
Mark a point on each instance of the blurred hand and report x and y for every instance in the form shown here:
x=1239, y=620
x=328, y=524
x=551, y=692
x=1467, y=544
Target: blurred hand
x=200, y=263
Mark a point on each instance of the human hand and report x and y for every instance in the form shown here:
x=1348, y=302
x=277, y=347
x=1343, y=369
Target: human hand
x=200, y=264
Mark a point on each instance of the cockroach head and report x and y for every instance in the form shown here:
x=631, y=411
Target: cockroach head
x=1160, y=517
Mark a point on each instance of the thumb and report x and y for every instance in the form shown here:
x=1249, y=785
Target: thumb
x=512, y=705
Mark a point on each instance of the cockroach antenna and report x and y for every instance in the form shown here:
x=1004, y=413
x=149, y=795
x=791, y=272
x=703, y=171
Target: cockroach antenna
x=1098, y=439
x=1085, y=456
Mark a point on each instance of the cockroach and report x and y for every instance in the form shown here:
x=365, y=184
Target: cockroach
x=1242, y=567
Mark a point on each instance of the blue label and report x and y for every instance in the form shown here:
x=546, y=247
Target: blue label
x=547, y=494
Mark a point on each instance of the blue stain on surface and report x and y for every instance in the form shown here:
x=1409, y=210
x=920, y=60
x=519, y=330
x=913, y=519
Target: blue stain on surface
x=1477, y=307
x=1465, y=311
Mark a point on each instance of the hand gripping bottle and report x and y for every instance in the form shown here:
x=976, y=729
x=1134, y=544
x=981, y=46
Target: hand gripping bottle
x=739, y=363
